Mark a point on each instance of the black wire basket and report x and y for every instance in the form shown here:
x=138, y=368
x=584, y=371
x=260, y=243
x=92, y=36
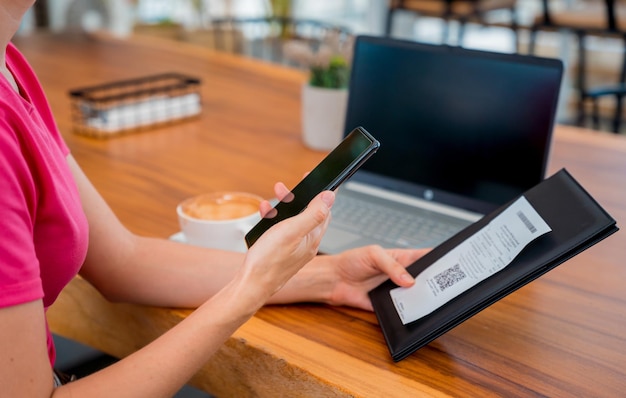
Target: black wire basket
x=125, y=106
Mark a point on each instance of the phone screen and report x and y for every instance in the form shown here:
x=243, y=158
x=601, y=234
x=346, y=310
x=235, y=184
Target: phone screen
x=334, y=169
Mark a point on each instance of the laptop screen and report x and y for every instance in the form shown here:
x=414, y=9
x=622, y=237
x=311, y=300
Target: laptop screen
x=453, y=123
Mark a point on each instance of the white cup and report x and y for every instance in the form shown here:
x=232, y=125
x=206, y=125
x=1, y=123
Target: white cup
x=219, y=220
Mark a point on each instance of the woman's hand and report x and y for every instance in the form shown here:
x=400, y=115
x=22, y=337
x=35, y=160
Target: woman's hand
x=287, y=246
x=360, y=270
x=353, y=273
x=281, y=192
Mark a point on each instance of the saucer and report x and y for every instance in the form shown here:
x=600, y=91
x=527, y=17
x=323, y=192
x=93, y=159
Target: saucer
x=181, y=238
x=178, y=237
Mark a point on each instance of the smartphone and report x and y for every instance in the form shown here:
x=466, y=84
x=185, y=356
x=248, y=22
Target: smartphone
x=334, y=169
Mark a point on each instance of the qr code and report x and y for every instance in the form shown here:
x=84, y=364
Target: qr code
x=449, y=277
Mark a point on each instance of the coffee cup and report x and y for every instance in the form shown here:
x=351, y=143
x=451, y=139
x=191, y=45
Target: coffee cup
x=219, y=220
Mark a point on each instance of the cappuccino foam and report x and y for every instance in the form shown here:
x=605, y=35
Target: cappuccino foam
x=221, y=206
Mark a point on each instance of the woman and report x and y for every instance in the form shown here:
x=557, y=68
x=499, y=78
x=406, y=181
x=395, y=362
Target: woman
x=55, y=225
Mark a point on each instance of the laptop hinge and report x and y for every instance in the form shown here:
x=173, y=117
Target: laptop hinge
x=412, y=201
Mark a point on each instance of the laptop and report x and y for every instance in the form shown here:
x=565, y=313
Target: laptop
x=462, y=132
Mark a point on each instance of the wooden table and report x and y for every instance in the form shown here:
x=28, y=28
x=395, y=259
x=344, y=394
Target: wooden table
x=563, y=335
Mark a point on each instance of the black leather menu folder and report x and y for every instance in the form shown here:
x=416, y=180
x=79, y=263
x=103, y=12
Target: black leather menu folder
x=577, y=222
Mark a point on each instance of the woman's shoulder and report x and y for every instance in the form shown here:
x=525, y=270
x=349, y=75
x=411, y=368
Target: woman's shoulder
x=19, y=66
x=32, y=99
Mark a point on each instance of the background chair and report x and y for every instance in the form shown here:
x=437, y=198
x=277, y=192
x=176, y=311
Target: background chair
x=462, y=11
x=264, y=37
x=584, y=18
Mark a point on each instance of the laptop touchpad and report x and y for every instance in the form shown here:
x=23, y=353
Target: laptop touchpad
x=336, y=238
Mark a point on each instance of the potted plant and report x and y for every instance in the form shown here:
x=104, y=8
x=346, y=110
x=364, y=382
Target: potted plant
x=328, y=61
x=325, y=94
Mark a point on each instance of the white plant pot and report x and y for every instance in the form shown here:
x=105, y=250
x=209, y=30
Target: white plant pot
x=323, y=116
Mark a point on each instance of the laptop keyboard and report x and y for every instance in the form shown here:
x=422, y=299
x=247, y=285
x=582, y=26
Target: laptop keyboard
x=394, y=228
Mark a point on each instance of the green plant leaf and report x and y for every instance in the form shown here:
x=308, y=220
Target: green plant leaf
x=335, y=75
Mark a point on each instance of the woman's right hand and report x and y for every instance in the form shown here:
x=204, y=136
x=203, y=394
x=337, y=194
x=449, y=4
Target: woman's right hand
x=287, y=246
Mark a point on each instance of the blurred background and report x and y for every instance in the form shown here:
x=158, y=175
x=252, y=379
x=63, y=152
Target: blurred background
x=496, y=30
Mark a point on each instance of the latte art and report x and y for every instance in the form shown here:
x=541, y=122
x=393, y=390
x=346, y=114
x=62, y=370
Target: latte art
x=221, y=206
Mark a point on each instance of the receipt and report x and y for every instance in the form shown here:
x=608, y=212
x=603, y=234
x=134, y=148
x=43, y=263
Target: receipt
x=481, y=255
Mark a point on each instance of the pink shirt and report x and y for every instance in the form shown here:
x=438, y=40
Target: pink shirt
x=43, y=229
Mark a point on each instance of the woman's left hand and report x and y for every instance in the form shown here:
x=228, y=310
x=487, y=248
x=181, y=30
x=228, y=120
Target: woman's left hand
x=360, y=270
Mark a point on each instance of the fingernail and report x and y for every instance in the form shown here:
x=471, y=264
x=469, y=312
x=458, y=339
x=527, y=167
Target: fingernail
x=328, y=197
x=407, y=277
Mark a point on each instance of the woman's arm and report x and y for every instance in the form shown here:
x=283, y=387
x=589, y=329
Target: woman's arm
x=24, y=364
x=166, y=364
x=125, y=267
